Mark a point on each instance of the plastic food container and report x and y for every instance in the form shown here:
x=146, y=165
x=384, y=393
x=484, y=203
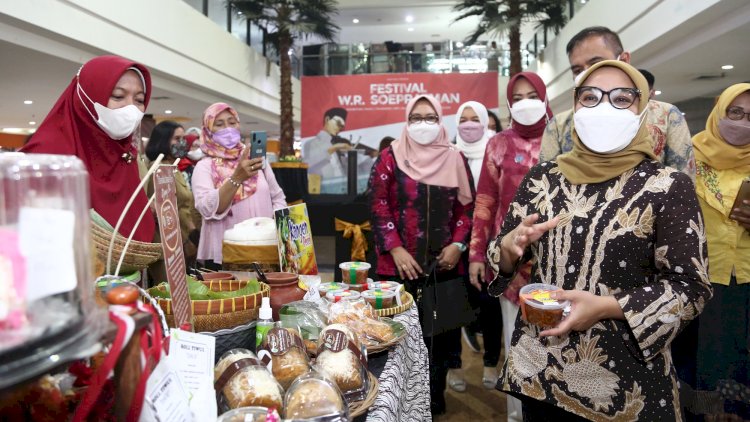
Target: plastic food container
x=354, y=272
x=245, y=383
x=324, y=288
x=338, y=295
x=383, y=285
x=245, y=414
x=314, y=396
x=538, y=308
x=379, y=298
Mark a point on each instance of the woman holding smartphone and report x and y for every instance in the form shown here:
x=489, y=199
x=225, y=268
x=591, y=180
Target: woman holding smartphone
x=229, y=187
x=722, y=155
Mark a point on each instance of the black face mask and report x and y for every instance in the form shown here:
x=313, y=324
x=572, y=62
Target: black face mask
x=179, y=150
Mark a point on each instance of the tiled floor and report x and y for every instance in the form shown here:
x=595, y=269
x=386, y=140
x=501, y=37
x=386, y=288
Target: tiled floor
x=476, y=403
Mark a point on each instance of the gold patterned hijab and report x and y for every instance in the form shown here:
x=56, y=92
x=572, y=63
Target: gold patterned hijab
x=581, y=165
x=711, y=148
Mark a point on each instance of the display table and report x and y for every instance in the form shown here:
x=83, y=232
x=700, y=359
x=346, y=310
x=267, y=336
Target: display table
x=292, y=177
x=403, y=373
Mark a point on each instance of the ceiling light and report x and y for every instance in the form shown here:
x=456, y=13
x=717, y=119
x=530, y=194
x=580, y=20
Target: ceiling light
x=683, y=114
x=459, y=44
x=727, y=67
x=657, y=92
x=355, y=20
x=410, y=29
x=168, y=111
x=32, y=123
x=12, y=130
x=410, y=19
x=28, y=102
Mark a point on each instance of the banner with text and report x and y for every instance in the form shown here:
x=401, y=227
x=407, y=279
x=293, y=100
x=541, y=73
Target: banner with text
x=360, y=110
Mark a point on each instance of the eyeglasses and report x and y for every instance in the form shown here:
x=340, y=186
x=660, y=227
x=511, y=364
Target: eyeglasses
x=430, y=119
x=591, y=96
x=737, y=113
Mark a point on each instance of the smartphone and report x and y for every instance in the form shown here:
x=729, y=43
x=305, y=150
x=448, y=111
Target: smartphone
x=742, y=194
x=258, y=145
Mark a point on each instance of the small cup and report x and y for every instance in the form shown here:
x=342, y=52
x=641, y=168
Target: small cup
x=537, y=307
x=380, y=299
x=354, y=272
x=382, y=285
x=324, y=288
x=338, y=295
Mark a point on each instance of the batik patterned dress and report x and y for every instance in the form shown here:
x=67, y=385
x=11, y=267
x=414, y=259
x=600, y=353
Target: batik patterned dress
x=639, y=237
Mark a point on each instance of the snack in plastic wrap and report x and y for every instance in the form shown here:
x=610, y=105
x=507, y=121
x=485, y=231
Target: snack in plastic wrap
x=244, y=381
x=362, y=319
x=315, y=396
x=307, y=318
x=287, y=353
x=342, y=358
x=250, y=414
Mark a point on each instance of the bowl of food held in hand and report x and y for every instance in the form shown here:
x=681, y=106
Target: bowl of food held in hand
x=539, y=308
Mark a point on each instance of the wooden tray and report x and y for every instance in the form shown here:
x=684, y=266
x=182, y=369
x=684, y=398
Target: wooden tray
x=358, y=408
x=397, y=309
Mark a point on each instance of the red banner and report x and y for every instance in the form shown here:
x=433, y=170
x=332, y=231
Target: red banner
x=379, y=100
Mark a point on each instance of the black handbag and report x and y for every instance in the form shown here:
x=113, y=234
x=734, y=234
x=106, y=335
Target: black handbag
x=443, y=303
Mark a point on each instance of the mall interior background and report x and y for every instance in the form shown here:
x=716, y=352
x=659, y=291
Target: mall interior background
x=200, y=52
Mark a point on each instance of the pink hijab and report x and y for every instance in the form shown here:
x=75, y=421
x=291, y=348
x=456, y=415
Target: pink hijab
x=224, y=160
x=439, y=163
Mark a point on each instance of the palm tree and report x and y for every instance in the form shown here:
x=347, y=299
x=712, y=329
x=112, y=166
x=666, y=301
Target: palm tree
x=284, y=22
x=498, y=17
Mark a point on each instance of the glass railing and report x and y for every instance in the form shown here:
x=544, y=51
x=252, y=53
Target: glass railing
x=346, y=59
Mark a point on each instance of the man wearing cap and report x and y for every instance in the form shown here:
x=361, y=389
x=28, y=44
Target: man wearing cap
x=320, y=152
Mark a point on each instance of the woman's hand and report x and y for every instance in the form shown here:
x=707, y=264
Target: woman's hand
x=247, y=167
x=742, y=215
x=405, y=263
x=526, y=233
x=586, y=309
x=448, y=257
x=513, y=244
x=476, y=274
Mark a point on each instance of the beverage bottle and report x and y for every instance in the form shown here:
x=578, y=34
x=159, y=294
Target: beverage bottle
x=265, y=321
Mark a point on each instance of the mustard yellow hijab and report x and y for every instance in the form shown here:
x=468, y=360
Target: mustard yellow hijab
x=711, y=148
x=581, y=165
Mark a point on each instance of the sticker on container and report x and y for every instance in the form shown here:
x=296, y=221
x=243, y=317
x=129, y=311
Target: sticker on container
x=46, y=242
x=543, y=297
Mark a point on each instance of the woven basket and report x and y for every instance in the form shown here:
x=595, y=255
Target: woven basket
x=397, y=309
x=139, y=255
x=360, y=407
x=218, y=314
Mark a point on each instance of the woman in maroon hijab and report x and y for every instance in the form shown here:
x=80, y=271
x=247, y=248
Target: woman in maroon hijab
x=95, y=119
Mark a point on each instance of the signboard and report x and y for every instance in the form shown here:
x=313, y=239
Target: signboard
x=296, y=250
x=360, y=110
x=171, y=243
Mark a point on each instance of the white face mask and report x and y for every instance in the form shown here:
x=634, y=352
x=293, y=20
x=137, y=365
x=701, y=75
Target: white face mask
x=605, y=129
x=423, y=133
x=118, y=123
x=528, y=111
x=195, y=154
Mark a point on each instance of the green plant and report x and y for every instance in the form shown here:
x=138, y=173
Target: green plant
x=500, y=17
x=284, y=22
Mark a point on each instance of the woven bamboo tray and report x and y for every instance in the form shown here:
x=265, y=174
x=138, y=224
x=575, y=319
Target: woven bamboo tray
x=139, y=255
x=358, y=408
x=218, y=314
x=397, y=309
x=398, y=329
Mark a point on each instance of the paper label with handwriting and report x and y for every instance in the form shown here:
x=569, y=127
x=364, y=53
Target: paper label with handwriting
x=192, y=356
